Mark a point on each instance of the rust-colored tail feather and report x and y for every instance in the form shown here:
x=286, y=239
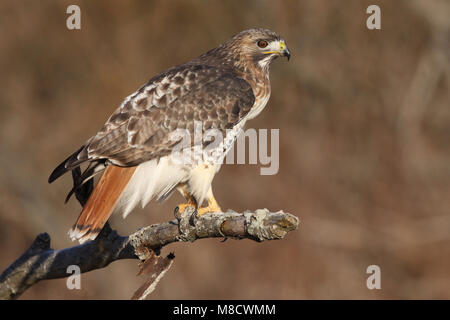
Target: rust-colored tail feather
x=101, y=203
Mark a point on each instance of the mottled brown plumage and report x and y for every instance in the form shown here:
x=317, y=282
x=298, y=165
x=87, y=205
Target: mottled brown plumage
x=222, y=89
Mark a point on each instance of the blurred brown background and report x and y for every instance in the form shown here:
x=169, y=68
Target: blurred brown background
x=364, y=123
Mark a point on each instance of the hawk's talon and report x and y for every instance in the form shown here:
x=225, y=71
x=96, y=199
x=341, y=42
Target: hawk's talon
x=181, y=208
x=193, y=217
x=201, y=211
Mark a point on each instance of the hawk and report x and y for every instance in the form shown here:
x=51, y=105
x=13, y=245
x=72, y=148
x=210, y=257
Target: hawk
x=221, y=89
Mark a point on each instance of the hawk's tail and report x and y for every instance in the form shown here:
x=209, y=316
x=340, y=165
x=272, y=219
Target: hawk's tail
x=101, y=203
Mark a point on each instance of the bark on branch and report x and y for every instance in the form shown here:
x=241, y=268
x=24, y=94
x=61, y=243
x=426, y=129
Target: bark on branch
x=40, y=262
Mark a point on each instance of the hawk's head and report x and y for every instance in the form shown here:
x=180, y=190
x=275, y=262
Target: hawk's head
x=258, y=46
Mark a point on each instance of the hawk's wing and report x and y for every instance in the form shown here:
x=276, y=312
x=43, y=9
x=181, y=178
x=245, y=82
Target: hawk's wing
x=139, y=130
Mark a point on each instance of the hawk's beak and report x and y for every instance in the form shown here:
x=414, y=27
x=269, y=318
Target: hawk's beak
x=287, y=53
x=283, y=51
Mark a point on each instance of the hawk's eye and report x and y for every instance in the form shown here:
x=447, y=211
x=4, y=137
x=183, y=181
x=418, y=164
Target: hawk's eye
x=262, y=43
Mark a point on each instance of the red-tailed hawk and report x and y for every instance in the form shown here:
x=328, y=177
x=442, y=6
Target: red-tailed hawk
x=220, y=89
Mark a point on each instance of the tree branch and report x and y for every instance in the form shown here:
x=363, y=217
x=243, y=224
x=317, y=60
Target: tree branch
x=40, y=262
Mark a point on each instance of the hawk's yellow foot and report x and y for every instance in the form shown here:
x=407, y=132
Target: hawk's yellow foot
x=191, y=202
x=182, y=207
x=212, y=207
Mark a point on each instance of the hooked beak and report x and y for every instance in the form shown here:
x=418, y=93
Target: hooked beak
x=283, y=51
x=287, y=53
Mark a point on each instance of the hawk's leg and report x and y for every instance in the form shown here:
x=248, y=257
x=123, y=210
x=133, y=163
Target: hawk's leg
x=213, y=206
x=191, y=202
